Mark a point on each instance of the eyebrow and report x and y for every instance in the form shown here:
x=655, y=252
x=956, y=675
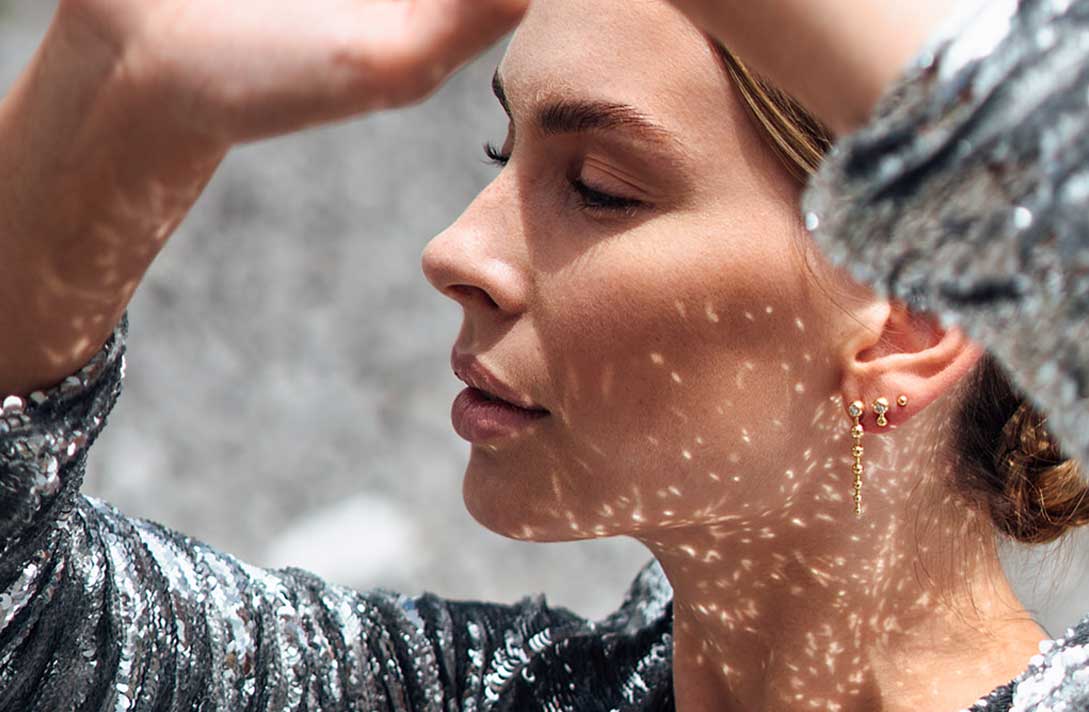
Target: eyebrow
x=578, y=116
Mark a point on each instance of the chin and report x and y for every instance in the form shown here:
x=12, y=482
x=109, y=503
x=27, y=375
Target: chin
x=508, y=499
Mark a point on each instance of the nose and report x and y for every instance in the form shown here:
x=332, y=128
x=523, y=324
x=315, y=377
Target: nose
x=478, y=261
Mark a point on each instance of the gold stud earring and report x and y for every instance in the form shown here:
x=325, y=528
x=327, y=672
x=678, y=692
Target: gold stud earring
x=855, y=410
x=902, y=401
x=880, y=407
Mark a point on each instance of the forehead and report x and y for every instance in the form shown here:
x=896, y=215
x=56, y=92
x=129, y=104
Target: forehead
x=638, y=52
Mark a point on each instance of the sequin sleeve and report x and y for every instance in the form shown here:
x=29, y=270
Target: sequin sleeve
x=99, y=611
x=967, y=194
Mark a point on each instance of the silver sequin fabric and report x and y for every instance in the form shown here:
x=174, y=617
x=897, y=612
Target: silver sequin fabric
x=965, y=195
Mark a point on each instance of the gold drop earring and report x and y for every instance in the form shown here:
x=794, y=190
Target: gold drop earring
x=880, y=407
x=855, y=410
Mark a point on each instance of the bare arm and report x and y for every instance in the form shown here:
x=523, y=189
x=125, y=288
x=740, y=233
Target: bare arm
x=126, y=110
x=835, y=56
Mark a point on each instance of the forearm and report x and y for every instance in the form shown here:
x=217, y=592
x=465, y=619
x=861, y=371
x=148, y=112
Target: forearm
x=835, y=56
x=90, y=187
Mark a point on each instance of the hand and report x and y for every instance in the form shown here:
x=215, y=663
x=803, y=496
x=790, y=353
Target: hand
x=246, y=69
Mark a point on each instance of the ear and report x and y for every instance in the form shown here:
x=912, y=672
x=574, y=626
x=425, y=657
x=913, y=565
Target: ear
x=895, y=352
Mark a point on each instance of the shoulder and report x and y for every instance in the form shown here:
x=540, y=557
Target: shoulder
x=1057, y=678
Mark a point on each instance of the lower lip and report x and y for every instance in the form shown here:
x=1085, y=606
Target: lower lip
x=478, y=419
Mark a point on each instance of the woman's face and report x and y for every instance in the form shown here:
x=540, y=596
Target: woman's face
x=634, y=270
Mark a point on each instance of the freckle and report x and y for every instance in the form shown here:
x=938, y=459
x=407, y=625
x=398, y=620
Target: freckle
x=656, y=358
x=675, y=376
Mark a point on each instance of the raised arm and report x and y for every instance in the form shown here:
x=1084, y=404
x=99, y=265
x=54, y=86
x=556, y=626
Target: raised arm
x=128, y=106
x=835, y=56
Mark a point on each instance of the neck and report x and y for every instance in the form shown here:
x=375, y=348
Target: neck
x=807, y=605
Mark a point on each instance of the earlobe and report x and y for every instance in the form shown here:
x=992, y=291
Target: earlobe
x=911, y=355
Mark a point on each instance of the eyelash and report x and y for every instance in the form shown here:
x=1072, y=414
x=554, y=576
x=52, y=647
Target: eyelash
x=589, y=198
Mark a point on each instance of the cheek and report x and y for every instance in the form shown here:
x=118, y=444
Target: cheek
x=670, y=371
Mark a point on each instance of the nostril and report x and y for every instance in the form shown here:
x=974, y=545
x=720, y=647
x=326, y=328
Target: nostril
x=467, y=294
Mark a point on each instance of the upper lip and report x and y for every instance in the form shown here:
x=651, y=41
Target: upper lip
x=472, y=372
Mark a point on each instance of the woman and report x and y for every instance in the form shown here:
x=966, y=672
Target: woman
x=651, y=349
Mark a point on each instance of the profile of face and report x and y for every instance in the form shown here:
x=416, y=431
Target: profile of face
x=637, y=274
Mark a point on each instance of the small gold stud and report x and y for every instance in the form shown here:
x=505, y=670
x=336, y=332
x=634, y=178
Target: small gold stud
x=902, y=401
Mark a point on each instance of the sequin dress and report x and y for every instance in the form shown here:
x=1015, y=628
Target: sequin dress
x=967, y=194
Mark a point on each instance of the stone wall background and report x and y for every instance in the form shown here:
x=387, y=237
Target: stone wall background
x=288, y=388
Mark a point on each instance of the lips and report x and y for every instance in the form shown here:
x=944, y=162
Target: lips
x=488, y=409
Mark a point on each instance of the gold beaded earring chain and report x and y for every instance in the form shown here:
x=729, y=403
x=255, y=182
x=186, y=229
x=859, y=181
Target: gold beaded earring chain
x=855, y=410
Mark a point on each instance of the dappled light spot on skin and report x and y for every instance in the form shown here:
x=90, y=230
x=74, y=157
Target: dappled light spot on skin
x=710, y=312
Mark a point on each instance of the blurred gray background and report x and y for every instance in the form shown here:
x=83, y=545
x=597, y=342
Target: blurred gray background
x=289, y=388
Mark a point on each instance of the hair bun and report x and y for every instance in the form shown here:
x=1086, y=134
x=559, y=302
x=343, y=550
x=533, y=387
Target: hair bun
x=1033, y=491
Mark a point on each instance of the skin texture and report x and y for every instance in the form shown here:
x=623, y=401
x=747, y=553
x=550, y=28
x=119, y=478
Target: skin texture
x=696, y=358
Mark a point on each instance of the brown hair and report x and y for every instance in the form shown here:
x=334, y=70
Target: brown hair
x=1007, y=463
